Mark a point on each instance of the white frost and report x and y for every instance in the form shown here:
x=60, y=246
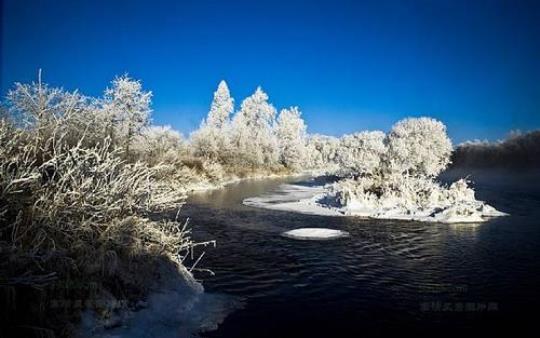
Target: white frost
x=315, y=234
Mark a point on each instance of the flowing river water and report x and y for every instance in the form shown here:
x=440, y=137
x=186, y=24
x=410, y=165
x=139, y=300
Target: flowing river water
x=388, y=277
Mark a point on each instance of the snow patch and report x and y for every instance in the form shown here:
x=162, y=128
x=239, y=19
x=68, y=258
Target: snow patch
x=295, y=198
x=178, y=307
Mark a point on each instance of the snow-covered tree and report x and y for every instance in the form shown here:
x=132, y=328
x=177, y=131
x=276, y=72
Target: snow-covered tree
x=360, y=153
x=221, y=108
x=158, y=139
x=158, y=144
x=291, y=133
x=322, y=151
x=128, y=109
x=256, y=112
x=211, y=140
x=253, y=138
x=418, y=146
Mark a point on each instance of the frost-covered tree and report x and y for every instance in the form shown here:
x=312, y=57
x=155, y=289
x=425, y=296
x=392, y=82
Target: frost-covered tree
x=418, y=147
x=159, y=143
x=211, y=140
x=253, y=138
x=291, y=133
x=127, y=106
x=361, y=153
x=221, y=108
x=322, y=151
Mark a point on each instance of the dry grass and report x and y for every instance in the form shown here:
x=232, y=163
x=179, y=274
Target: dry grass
x=74, y=217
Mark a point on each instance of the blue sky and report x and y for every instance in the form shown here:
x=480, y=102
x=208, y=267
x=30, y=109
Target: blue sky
x=349, y=65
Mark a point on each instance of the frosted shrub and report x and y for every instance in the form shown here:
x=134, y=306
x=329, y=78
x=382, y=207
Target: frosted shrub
x=361, y=191
x=54, y=114
x=213, y=171
x=460, y=191
x=71, y=203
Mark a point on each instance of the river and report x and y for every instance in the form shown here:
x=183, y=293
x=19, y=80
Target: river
x=388, y=277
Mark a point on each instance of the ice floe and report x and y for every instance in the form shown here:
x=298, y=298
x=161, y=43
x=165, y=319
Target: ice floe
x=315, y=234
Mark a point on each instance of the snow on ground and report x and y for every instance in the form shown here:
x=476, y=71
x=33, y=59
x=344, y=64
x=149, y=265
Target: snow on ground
x=320, y=200
x=295, y=198
x=315, y=234
x=178, y=307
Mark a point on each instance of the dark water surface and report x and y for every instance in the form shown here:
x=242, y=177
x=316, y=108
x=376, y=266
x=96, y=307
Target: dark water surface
x=389, y=277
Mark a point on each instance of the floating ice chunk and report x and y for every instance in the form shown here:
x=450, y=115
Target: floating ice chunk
x=315, y=234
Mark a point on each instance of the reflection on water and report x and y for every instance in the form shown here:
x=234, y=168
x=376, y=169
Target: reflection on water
x=388, y=277
x=232, y=196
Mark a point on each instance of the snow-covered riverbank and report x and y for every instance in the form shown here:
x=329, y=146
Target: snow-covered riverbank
x=177, y=307
x=207, y=185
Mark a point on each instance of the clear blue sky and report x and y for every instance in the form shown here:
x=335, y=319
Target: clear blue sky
x=349, y=65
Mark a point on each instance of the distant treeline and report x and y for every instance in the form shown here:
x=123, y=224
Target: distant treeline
x=518, y=151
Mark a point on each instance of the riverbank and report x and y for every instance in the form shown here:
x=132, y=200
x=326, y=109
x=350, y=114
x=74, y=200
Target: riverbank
x=175, y=295
x=175, y=306
x=208, y=185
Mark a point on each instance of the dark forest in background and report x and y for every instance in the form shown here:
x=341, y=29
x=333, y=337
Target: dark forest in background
x=520, y=151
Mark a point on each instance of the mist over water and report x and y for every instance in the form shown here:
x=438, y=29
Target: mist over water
x=388, y=277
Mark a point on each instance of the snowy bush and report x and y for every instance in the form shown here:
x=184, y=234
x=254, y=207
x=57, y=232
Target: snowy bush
x=410, y=198
x=52, y=113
